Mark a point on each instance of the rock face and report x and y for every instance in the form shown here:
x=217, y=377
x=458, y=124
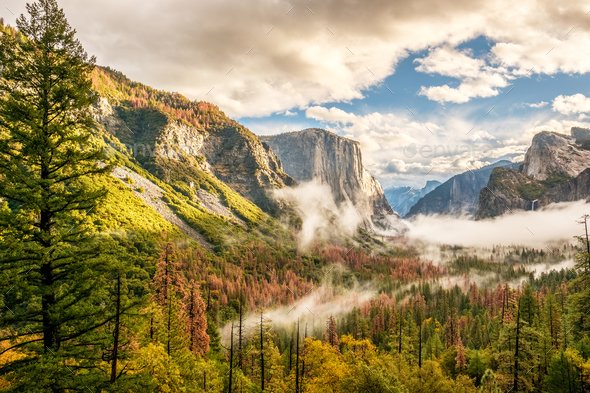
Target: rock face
x=189, y=142
x=507, y=190
x=557, y=155
x=316, y=154
x=402, y=199
x=458, y=195
x=556, y=169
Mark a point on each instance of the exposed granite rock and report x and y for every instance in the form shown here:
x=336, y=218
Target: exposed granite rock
x=316, y=154
x=555, y=155
x=220, y=146
x=568, y=191
x=506, y=191
x=240, y=159
x=556, y=169
x=459, y=195
x=582, y=136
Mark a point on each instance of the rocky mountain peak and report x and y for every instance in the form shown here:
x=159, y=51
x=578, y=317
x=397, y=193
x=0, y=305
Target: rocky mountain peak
x=554, y=155
x=556, y=169
x=316, y=154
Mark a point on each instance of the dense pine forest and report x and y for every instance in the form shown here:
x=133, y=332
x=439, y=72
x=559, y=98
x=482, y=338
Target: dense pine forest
x=97, y=295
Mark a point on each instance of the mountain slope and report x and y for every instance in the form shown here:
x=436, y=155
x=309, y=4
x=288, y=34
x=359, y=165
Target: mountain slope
x=169, y=153
x=192, y=145
x=556, y=169
x=459, y=194
x=316, y=154
x=402, y=199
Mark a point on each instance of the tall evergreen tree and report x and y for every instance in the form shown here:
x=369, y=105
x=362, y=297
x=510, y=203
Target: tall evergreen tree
x=196, y=321
x=48, y=158
x=331, y=334
x=581, y=285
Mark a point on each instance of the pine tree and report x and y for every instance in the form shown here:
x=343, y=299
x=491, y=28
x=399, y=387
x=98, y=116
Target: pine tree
x=48, y=158
x=240, y=335
x=262, y=373
x=297, y=371
x=231, y=359
x=331, y=333
x=168, y=320
x=581, y=285
x=196, y=321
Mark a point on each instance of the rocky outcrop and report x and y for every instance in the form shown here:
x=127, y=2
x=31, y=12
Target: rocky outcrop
x=319, y=155
x=556, y=155
x=402, y=199
x=556, y=169
x=179, y=140
x=506, y=191
x=459, y=195
x=238, y=158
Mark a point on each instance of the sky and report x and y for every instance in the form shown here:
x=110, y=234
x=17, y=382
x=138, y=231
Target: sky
x=429, y=88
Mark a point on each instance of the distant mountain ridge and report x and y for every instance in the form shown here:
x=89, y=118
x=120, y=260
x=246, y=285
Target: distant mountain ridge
x=459, y=195
x=402, y=199
x=316, y=154
x=556, y=169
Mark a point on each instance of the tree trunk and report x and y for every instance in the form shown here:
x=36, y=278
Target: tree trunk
x=240, y=360
x=420, y=345
x=50, y=334
x=231, y=359
x=115, y=352
x=47, y=302
x=297, y=362
x=291, y=352
x=261, y=353
x=401, y=332
x=516, y=349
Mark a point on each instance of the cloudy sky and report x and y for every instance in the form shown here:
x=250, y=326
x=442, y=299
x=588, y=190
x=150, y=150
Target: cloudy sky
x=430, y=88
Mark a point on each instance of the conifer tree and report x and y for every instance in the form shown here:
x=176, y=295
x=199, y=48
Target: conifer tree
x=168, y=287
x=196, y=321
x=331, y=334
x=48, y=158
x=581, y=285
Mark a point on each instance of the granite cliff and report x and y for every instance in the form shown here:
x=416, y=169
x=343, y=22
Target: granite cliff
x=556, y=169
x=316, y=154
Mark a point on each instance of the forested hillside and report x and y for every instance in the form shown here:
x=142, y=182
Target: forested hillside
x=133, y=261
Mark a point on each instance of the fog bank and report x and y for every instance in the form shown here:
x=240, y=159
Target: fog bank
x=557, y=222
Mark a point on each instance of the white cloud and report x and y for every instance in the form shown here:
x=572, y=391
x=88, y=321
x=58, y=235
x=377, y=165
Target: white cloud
x=399, y=149
x=451, y=62
x=477, y=78
x=537, y=105
x=332, y=115
x=557, y=222
x=266, y=56
x=575, y=104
